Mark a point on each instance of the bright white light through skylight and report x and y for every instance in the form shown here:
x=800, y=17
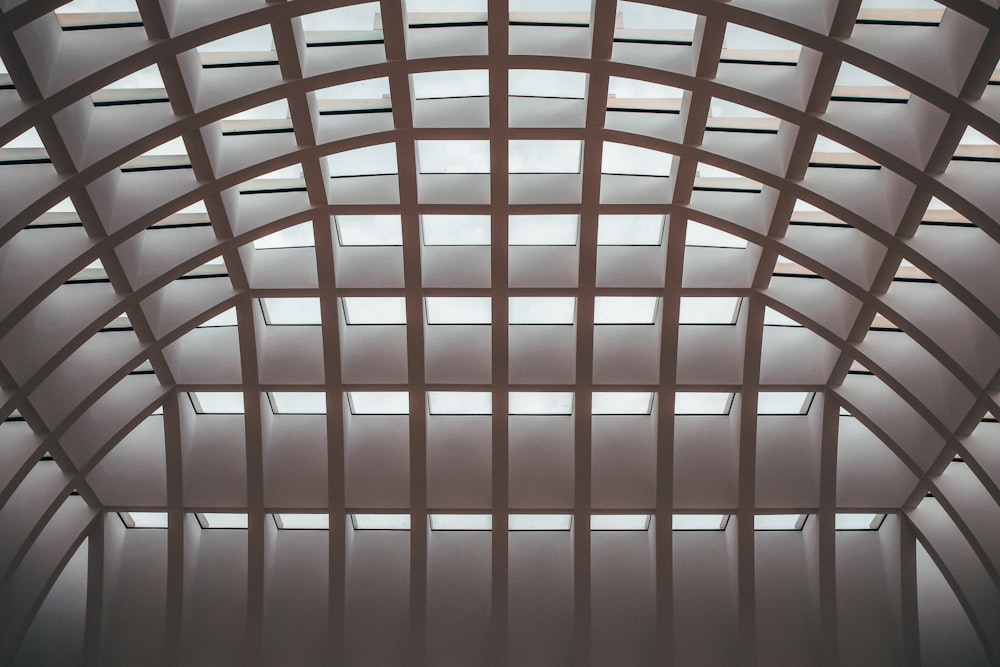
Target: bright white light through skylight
x=454, y=83
x=622, y=402
x=217, y=402
x=366, y=161
x=539, y=521
x=97, y=6
x=453, y=156
x=464, y=230
x=291, y=310
x=311, y=521
x=702, y=403
x=461, y=522
x=709, y=309
x=366, y=89
x=635, y=229
x=351, y=17
x=27, y=139
x=144, y=519
x=699, y=521
x=858, y=521
x=381, y=521
x=542, y=309
x=369, y=230
x=634, y=160
x=642, y=90
x=546, y=83
x=541, y=403
x=379, y=402
x=625, y=309
x=776, y=319
x=619, y=522
x=458, y=310
x=297, y=236
x=778, y=521
x=298, y=402
x=783, y=402
x=705, y=236
x=542, y=229
x=639, y=15
x=374, y=309
x=147, y=77
x=254, y=39
x=544, y=156
x=222, y=520
x=226, y=318
x=277, y=110
x=460, y=402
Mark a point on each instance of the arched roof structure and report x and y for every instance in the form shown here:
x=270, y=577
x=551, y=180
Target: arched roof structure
x=455, y=332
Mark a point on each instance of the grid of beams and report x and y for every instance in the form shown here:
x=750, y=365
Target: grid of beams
x=186, y=220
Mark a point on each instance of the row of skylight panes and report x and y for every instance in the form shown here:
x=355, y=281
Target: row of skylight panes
x=519, y=402
x=522, y=230
x=367, y=311
x=515, y=522
x=523, y=310
x=524, y=156
x=382, y=311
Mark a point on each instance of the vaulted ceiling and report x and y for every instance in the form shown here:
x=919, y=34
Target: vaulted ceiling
x=455, y=332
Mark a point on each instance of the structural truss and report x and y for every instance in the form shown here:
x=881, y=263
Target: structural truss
x=454, y=332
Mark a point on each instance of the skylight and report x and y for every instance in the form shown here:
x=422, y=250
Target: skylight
x=374, y=309
x=544, y=156
x=542, y=309
x=454, y=83
x=222, y=520
x=453, y=156
x=312, y=521
x=622, y=402
x=776, y=319
x=625, y=309
x=619, y=522
x=862, y=521
x=460, y=402
x=632, y=160
x=709, y=310
x=147, y=77
x=705, y=236
x=97, y=6
x=369, y=230
x=540, y=230
x=27, y=139
x=291, y=310
x=351, y=17
x=700, y=521
x=144, y=519
x=702, y=403
x=547, y=83
x=226, y=318
x=217, y=402
x=297, y=236
x=541, y=403
x=381, y=521
x=519, y=522
x=779, y=521
x=633, y=229
x=366, y=89
x=461, y=522
x=379, y=402
x=639, y=89
x=455, y=230
x=298, y=402
x=784, y=402
x=367, y=161
x=458, y=310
